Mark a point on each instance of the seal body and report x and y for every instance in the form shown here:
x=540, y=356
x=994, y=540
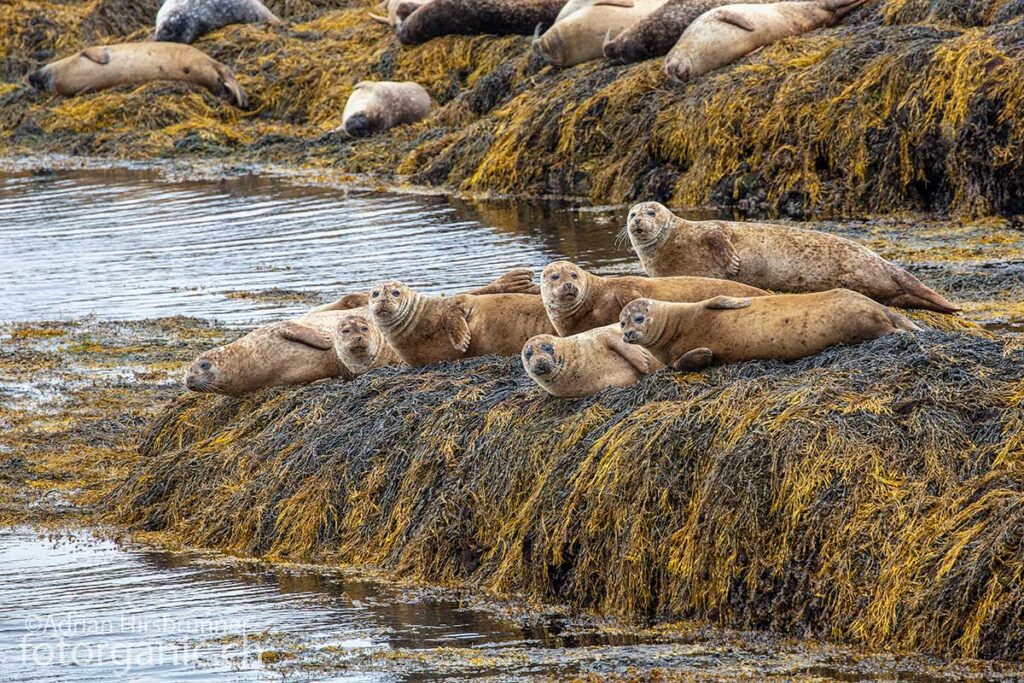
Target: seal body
x=394, y=12
x=730, y=330
x=774, y=257
x=580, y=36
x=429, y=329
x=654, y=35
x=375, y=106
x=577, y=301
x=360, y=346
x=724, y=34
x=185, y=21
x=109, y=66
x=586, y=363
x=473, y=17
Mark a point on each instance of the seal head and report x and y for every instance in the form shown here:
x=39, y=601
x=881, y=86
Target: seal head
x=638, y=323
x=358, y=344
x=540, y=358
x=564, y=287
x=392, y=304
x=209, y=373
x=648, y=224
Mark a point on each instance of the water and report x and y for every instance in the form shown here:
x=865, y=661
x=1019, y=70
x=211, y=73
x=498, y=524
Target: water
x=126, y=245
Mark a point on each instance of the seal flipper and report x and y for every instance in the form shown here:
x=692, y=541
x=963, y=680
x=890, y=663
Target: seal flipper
x=697, y=359
x=515, y=281
x=918, y=295
x=304, y=334
x=613, y=3
x=456, y=326
x=345, y=303
x=96, y=54
x=637, y=356
x=723, y=251
x=379, y=19
x=728, y=16
x=726, y=303
x=626, y=294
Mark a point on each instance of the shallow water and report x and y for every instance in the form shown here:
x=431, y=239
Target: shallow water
x=125, y=245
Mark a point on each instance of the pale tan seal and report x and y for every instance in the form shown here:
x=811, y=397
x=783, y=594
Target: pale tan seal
x=184, y=21
x=722, y=35
x=730, y=330
x=774, y=257
x=109, y=66
x=428, y=329
x=394, y=12
x=375, y=106
x=360, y=346
x=580, y=36
x=586, y=363
x=577, y=301
x=310, y=347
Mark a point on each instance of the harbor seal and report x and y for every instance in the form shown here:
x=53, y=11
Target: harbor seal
x=185, y=21
x=577, y=300
x=774, y=257
x=394, y=12
x=654, y=35
x=428, y=329
x=580, y=36
x=722, y=35
x=730, y=330
x=375, y=106
x=360, y=346
x=472, y=17
x=108, y=66
x=586, y=363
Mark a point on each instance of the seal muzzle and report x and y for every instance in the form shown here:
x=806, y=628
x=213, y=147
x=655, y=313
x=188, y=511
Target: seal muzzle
x=358, y=126
x=41, y=79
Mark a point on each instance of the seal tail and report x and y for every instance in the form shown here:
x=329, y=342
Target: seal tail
x=917, y=295
x=842, y=7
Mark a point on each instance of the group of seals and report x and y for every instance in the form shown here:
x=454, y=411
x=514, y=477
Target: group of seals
x=375, y=106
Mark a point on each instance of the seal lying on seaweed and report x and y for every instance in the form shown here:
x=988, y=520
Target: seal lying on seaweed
x=185, y=21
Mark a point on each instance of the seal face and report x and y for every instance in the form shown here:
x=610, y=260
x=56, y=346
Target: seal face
x=109, y=66
x=722, y=35
x=185, y=21
x=375, y=106
x=772, y=257
x=726, y=329
x=473, y=17
x=585, y=363
x=361, y=347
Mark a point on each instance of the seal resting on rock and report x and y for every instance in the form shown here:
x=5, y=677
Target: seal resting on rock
x=307, y=348
x=185, y=21
x=375, y=106
x=724, y=34
x=361, y=347
x=473, y=17
x=577, y=301
x=429, y=329
x=654, y=35
x=394, y=12
x=580, y=36
x=774, y=257
x=586, y=363
x=108, y=66
x=730, y=330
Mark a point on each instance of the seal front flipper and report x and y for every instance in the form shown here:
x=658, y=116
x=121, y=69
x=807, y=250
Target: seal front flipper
x=722, y=250
x=697, y=359
x=456, y=326
x=726, y=303
x=728, y=16
x=637, y=356
x=626, y=294
x=345, y=303
x=96, y=54
x=304, y=334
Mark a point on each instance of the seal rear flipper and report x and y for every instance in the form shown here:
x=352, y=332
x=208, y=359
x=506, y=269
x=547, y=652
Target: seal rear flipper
x=901, y=322
x=345, y=303
x=96, y=54
x=726, y=303
x=729, y=16
x=456, y=326
x=304, y=334
x=723, y=251
x=232, y=88
x=515, y=281
x=380, y=19
x=917, y=295
x=697, y=359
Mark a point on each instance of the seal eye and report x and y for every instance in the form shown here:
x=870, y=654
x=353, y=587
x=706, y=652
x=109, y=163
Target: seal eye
x=547, y=348
x=638, y=319
x=375, y=294
x=363, y=329
x=395, y=292
x=529, y=353
x=650, y=212
x=554, y=277
x=574, y=276
x=205, y=365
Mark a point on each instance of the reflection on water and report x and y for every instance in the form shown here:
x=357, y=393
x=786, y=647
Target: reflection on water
x=127, y=245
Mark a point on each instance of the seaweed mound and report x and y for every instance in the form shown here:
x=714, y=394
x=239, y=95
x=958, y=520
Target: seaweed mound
x=907, y=105
x=873, y=493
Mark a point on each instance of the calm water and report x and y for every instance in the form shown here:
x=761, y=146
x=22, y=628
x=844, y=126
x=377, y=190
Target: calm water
x=127, y=245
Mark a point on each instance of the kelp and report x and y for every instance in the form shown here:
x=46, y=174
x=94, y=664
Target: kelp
x=873, y=493
x=907, y=105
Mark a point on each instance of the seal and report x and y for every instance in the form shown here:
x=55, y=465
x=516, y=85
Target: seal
x=731, y=330
x=473, y=17
x=774, y=257
x=724, y=34
x=361, y=347
x=108, y=66
x=577, y=301
x=655, y=35
x=430, y=329
x=313, y=346
x=185, y=21
x=375, y=106
x=586, y=363
x=581, y=35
